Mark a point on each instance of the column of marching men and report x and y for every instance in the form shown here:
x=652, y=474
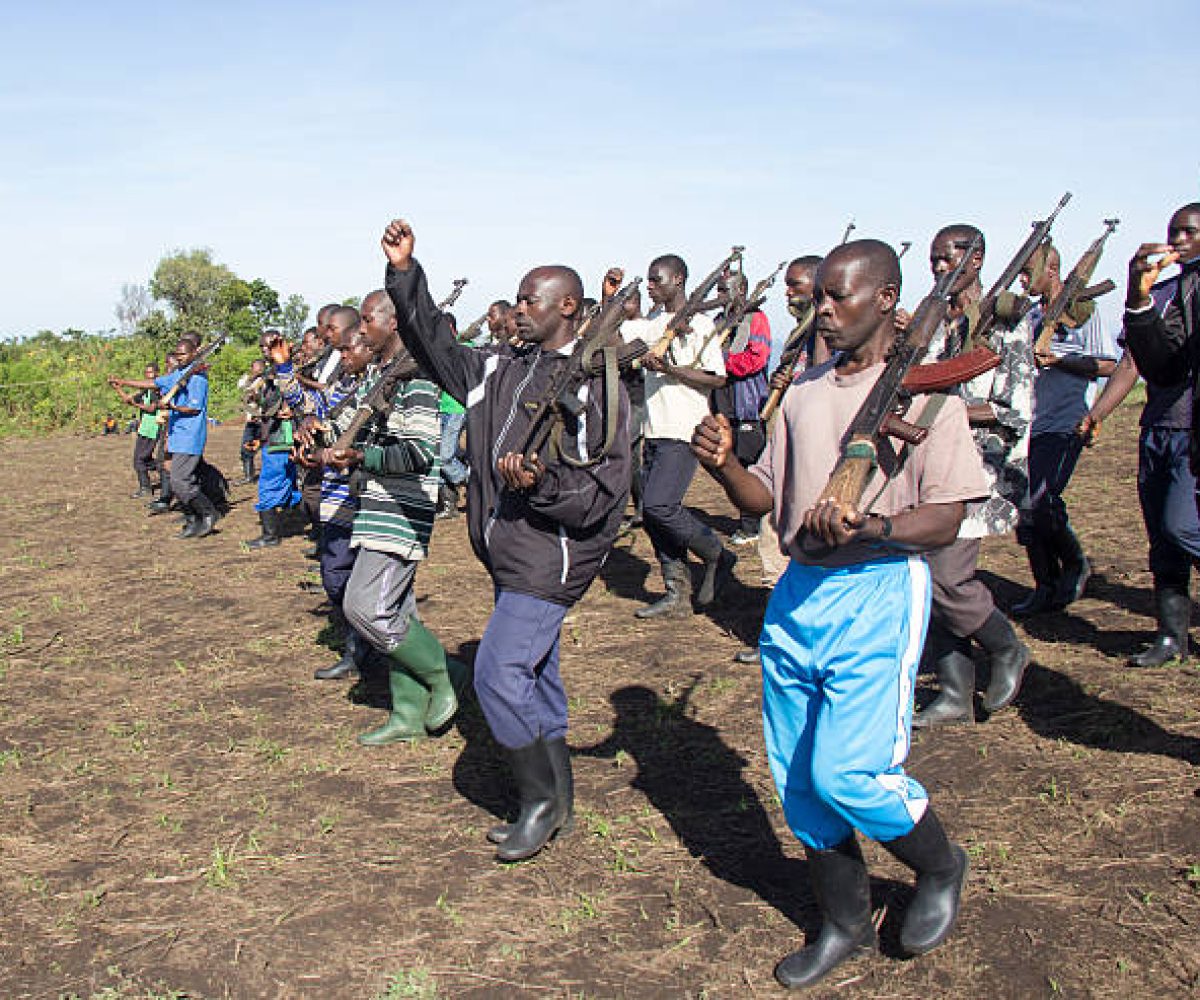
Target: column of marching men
x=384, y=419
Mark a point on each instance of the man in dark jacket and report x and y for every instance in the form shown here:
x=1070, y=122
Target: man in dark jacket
x=542, y=529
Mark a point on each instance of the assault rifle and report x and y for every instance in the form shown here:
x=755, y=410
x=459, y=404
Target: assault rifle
x=449, y=300
x=201, y=358
x=598, y=350
x=472, y=331
x=789, y=358
x=977, y=357
x=379, y=398
x=695, y=303
x=878, y=418
x=736, y=312
x=1073, y=305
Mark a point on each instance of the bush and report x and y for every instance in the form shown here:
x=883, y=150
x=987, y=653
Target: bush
x=54, y=383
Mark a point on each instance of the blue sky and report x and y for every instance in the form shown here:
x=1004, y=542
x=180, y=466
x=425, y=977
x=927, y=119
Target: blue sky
x=284, y=135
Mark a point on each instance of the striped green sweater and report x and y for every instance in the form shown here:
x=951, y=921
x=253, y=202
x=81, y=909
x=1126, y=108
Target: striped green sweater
x=400, y=471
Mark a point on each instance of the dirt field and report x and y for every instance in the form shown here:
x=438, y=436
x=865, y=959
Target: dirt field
x=186, y=812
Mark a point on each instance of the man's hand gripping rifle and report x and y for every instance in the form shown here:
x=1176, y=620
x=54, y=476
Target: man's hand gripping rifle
x=978, y=357
x=198, y=364
x=878, y=418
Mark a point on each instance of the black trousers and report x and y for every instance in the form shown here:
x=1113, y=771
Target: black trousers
x=667, y=470
x=749, y=440
x=143, y=458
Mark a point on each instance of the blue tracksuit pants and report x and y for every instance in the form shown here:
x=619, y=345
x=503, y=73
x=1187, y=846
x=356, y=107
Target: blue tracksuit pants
x=516, y=670
x=840, y=649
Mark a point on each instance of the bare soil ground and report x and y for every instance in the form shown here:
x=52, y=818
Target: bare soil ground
x=185, y=811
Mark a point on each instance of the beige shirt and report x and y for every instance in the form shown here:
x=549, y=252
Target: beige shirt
x=806, y=442
x=673, y=409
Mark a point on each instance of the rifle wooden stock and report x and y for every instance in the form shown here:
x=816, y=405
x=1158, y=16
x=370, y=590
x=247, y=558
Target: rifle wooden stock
x=695, y=303
x=378, y=400
x=1073, y=288
x=789, y=358
x=472, y=330
x=877, y=417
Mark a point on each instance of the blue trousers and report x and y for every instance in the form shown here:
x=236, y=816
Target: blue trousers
x=454, y=470
x=1052, y=459
x=516, y=671
x=840, y=649
x=337, y=559
x=1167, y=491
x=277, y=481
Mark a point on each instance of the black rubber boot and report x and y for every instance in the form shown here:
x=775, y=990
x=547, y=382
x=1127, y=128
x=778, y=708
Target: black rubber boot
x=347, y=668
x=1174, y=618
x=843, y=893
x=1008, y=657
x=269, y=519
x=207, y=516
x=248, y=475
x=941, y=869
x=955, y=703
x=144, y=487
x=718, y=565
x=1044, y=565
x=163, y=503
x=191, y=521
x=677, y=601
x=447, y=506
x=1076, y=570
x=564, y=791
x=542, y=812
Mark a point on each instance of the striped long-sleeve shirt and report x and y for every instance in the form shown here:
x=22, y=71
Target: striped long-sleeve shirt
x=400, y=471
x=338, y=505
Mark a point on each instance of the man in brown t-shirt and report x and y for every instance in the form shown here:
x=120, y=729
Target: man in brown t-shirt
x=846, y=622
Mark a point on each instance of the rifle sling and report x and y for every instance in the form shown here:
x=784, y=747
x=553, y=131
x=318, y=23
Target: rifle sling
x=612, y=413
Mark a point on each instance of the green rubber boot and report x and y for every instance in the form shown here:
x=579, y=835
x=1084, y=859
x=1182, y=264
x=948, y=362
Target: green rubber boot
x=410, y=704
x=423, y=655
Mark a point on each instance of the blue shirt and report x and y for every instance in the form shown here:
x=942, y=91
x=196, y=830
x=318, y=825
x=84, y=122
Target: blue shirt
x=186, y=435
x=1061, y=400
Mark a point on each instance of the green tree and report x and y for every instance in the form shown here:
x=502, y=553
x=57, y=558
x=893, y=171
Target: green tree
x=264, y=303
x=194, y=286
x=293, y=316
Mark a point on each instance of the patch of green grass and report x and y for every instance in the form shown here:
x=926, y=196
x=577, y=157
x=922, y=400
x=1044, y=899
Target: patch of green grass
x=409, y=984
x=449, y=910
x=270, y=751
x=219, y=874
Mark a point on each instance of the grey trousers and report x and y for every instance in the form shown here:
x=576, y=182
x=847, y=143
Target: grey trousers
x=379, y=598
x=185, y=478
x=961, y=602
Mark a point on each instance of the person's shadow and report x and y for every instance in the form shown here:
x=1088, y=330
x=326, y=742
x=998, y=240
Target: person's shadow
x=480, y=773
x=697, y=784
x=1055, y=706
